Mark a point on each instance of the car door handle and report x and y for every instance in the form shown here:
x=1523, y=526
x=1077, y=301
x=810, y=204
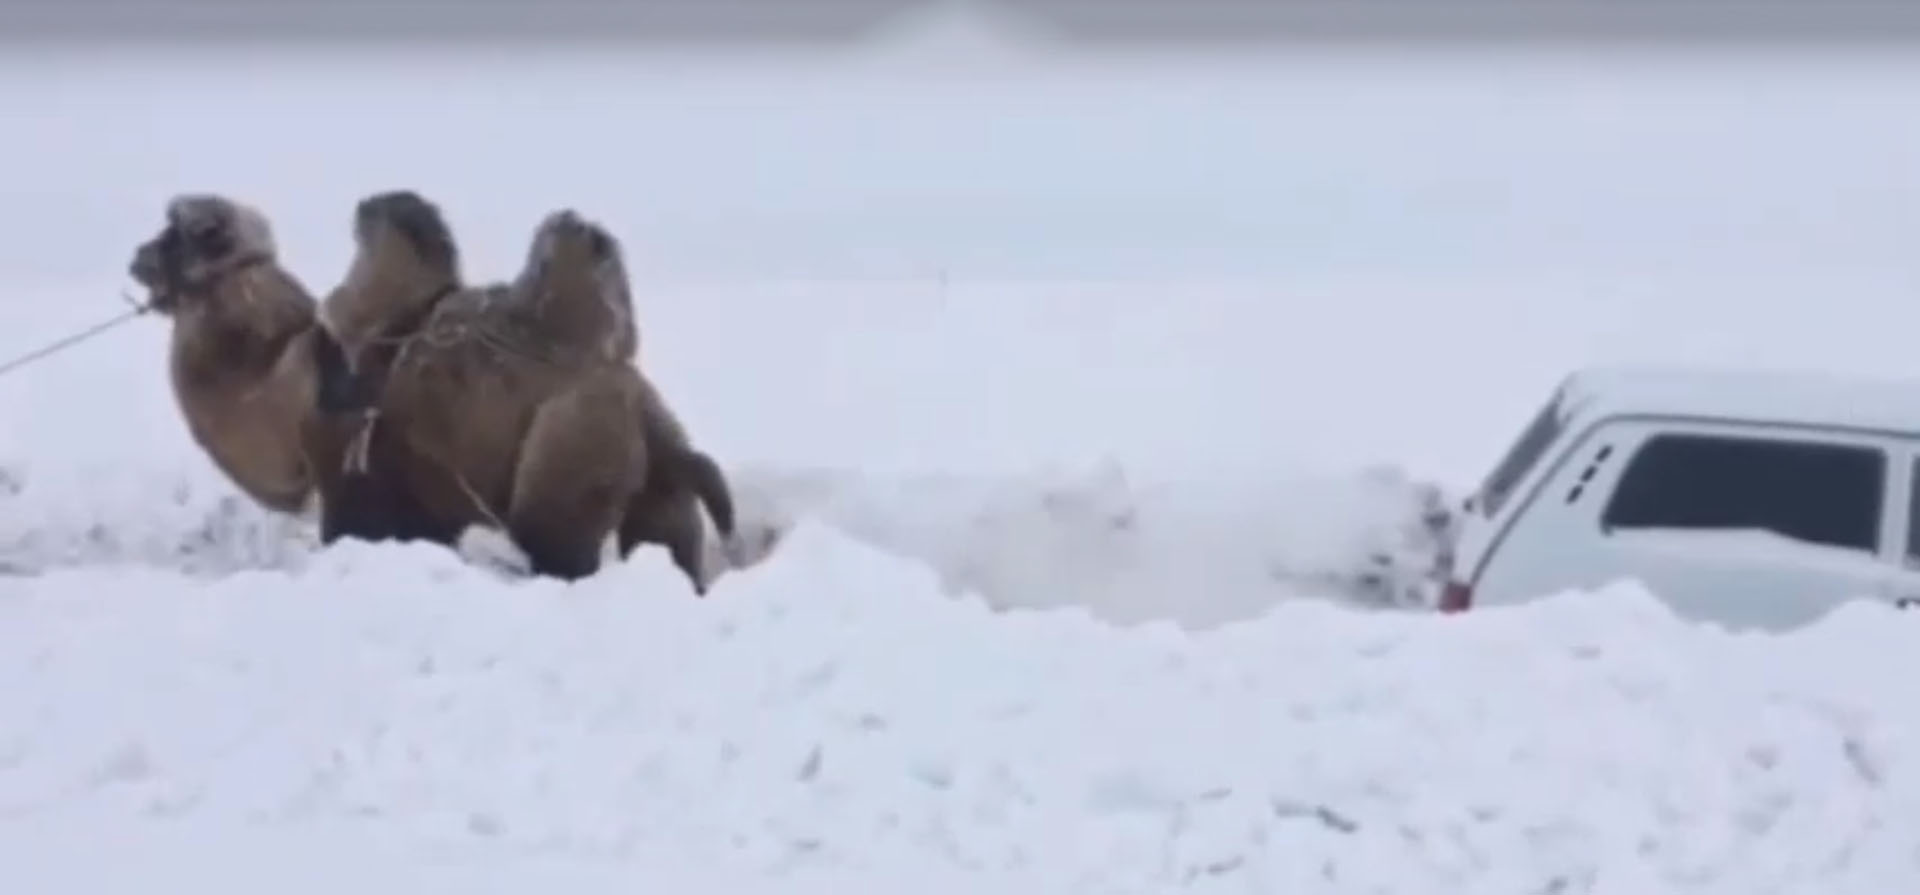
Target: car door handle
x=1906, y=603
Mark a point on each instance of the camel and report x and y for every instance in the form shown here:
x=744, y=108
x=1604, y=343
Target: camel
x=517, y=405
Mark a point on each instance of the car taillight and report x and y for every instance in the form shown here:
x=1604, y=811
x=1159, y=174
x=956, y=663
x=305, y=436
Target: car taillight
x=1456, y=597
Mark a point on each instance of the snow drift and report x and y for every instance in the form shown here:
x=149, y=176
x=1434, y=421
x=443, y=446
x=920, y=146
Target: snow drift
x=830, y=718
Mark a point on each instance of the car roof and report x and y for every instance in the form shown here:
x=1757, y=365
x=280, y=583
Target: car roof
x=1755, y=395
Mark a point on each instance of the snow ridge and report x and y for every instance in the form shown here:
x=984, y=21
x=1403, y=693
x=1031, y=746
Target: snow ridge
x=831, y=716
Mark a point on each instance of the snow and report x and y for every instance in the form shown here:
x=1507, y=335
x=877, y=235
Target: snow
x=830, y=718
x=1104, y=448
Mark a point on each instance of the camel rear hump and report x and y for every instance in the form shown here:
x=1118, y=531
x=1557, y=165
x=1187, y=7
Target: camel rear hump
x=574, y=290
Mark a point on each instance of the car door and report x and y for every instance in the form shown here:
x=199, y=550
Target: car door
x=1903, y=588
x=1745, y=525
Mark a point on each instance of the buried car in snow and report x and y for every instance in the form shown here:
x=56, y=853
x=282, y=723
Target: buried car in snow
x=1749, y=499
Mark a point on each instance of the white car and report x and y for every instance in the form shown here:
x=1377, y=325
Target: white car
x=1750, y=499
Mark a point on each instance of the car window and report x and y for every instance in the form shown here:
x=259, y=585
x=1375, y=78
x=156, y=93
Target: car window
x=1526, y=450
x=1817, y=492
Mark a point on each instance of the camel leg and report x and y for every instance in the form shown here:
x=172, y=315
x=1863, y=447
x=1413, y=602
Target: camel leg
x=376, y=501
x=569, y=489
x=670, y=518
x=354, y=505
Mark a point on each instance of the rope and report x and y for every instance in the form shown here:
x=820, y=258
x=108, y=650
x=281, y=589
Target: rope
x=46, y=351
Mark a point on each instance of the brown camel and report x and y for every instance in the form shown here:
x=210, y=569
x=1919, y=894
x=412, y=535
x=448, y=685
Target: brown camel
x=517, y=405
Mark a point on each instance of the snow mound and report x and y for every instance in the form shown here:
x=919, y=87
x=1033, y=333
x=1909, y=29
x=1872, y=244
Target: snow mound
x=830, y=717
x=1202, y=553
x=1134, y=549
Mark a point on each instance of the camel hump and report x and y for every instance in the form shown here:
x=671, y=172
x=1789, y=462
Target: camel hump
x=575, y=285
x=405, y=262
